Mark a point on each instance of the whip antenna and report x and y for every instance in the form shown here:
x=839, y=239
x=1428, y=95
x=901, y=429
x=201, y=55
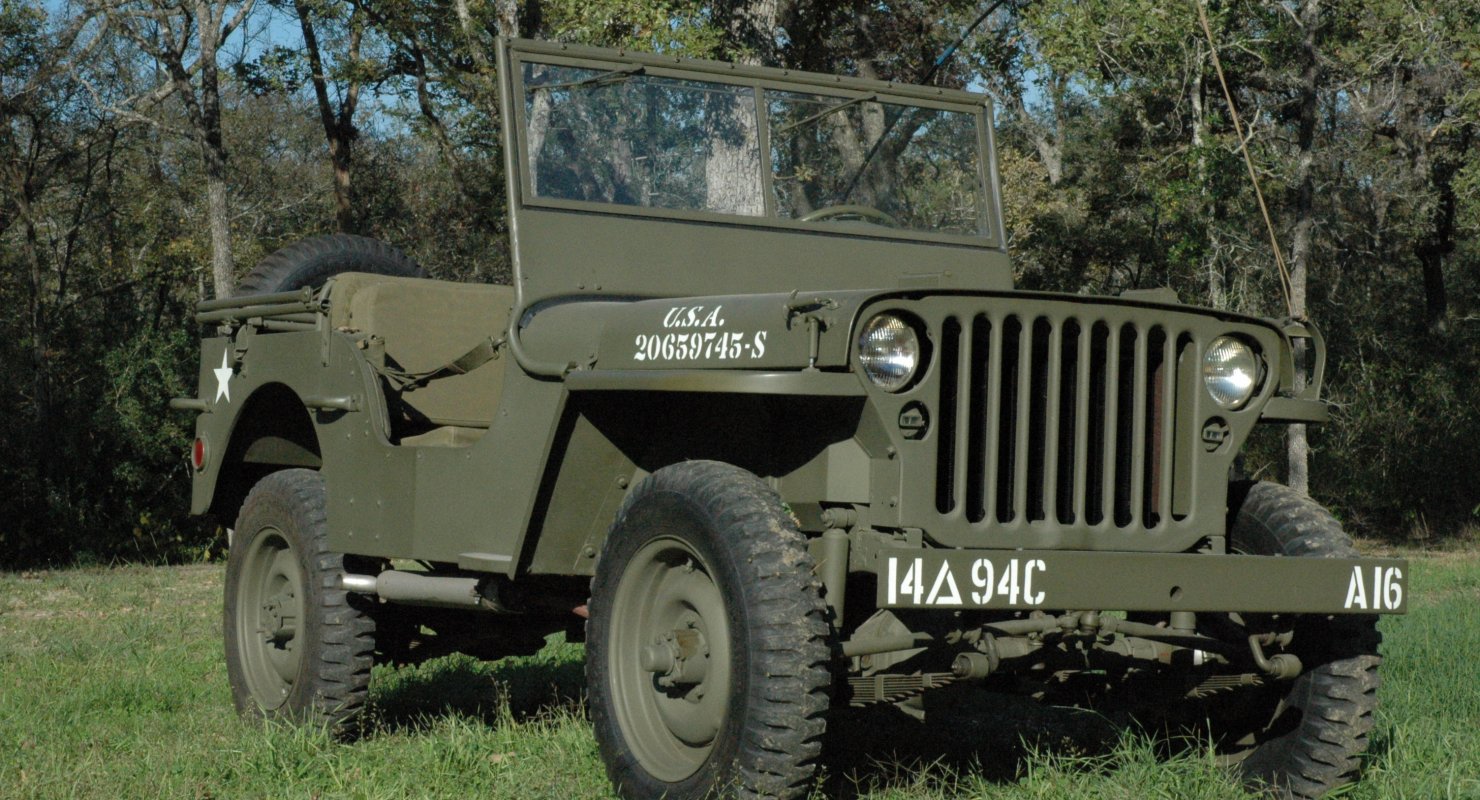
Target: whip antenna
x=1243, y=146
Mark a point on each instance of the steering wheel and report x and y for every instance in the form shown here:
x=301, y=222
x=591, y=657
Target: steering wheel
x=862, y=213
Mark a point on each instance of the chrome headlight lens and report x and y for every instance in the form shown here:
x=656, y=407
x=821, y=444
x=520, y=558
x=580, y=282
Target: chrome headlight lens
x=1230, y=371
x=889, y=351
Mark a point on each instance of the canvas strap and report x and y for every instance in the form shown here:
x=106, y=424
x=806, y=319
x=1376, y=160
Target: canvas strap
x=482, y=353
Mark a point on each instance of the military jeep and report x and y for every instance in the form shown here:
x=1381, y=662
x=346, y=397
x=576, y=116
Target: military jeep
x=763, y=420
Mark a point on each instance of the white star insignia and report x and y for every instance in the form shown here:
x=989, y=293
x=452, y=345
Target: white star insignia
x=223, y=379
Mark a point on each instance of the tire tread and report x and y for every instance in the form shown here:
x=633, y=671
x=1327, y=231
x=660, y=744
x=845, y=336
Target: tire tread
x=781, y=739
x=342, y=652
x=312, y=261
x=1341, y=679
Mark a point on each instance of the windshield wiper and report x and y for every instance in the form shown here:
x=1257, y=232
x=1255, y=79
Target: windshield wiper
x=826, y=111
x=603, y=79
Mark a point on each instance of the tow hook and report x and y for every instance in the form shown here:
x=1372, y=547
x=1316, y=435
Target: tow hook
x=1280, y=666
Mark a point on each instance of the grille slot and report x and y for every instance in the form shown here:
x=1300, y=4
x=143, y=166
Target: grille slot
x=1065, y=421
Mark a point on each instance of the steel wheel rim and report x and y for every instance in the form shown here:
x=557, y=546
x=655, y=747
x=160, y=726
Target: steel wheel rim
x=668, y=588
x=270, y=618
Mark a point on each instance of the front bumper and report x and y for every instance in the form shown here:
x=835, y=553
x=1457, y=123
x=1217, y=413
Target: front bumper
x=1058, y=579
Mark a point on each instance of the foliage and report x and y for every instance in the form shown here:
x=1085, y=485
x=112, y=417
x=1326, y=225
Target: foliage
x=1146, y=187
x=1120, y=169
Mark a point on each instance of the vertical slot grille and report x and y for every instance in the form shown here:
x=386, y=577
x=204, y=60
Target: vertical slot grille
x=1038, y=413
x=1062, y=468
x=986, y=351
x=945, y=454
x=1094, y=461
x=1058, y=421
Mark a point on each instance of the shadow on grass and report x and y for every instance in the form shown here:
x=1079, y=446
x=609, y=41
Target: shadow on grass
x=968, y=732
x=512, y=689
x=1380, y=750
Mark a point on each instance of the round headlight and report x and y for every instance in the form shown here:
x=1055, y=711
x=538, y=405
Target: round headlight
x=889, y=351
x=1230, y=371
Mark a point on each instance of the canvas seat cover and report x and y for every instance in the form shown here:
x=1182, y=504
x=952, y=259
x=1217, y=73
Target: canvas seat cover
x=426, y=324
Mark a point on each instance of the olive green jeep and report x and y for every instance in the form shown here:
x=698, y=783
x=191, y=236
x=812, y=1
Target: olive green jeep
x=763, y=420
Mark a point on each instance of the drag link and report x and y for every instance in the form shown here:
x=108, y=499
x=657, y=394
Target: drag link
x=1280, y=666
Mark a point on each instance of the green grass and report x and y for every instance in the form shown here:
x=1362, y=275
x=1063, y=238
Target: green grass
x=112, y=685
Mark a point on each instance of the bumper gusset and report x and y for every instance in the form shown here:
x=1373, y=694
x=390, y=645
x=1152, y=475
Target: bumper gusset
x=1059, y=579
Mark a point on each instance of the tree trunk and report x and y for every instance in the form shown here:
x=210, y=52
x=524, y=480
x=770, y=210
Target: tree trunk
x=206, y=118
x=507, y=12
x=732, y=172
x=539, y=128
x=218, y=212
x=223, y=270
x=1297, y=446
x=339, y=125
x=1197, y=97
x=1435, y=245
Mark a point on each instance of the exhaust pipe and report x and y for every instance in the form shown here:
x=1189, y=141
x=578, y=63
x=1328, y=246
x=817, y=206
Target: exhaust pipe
x=418, y=589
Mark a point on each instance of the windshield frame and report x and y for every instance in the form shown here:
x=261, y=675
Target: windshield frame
x=759, y=80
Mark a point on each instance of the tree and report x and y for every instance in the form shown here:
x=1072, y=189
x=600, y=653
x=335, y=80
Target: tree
x=337, y=115
x=40, y=145
x=75, y=226
x=184, y=38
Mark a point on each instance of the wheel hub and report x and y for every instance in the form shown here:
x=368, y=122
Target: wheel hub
x=680, y=657
x=280, y=616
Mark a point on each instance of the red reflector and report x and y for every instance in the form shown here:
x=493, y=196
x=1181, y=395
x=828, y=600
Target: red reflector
x=198, y=453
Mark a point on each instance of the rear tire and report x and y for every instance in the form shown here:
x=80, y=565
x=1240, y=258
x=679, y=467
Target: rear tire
x=1304, y=737
x=704, y=571
x=317, y=259
x=297, y=649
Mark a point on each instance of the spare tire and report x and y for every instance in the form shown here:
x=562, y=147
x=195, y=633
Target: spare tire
x=319, y=258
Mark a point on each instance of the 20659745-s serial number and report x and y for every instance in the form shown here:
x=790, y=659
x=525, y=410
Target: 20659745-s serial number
x=699, y=345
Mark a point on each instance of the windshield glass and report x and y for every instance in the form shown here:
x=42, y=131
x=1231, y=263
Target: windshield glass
x=904, y=166
x=631, y=139
x=628, y=138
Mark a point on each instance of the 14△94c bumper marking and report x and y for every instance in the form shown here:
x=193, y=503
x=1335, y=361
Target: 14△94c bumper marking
x=1142, y=582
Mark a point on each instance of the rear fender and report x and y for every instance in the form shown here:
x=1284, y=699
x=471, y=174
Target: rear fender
x=266, y=399
x=272, y=431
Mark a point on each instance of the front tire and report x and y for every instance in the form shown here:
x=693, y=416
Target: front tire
x=296, y=649
x=707, y=645
x=1305, y=737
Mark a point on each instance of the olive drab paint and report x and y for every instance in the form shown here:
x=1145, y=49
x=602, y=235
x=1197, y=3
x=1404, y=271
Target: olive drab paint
x=1048, y=452
x=634, y=337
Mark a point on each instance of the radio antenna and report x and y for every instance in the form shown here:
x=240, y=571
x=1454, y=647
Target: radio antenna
x=1243, y=146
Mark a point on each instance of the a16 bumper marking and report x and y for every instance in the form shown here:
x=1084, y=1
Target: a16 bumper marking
x=931, y=581
x=1384, y=593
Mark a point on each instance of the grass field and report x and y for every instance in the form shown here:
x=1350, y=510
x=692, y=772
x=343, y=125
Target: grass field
x=112, y=685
